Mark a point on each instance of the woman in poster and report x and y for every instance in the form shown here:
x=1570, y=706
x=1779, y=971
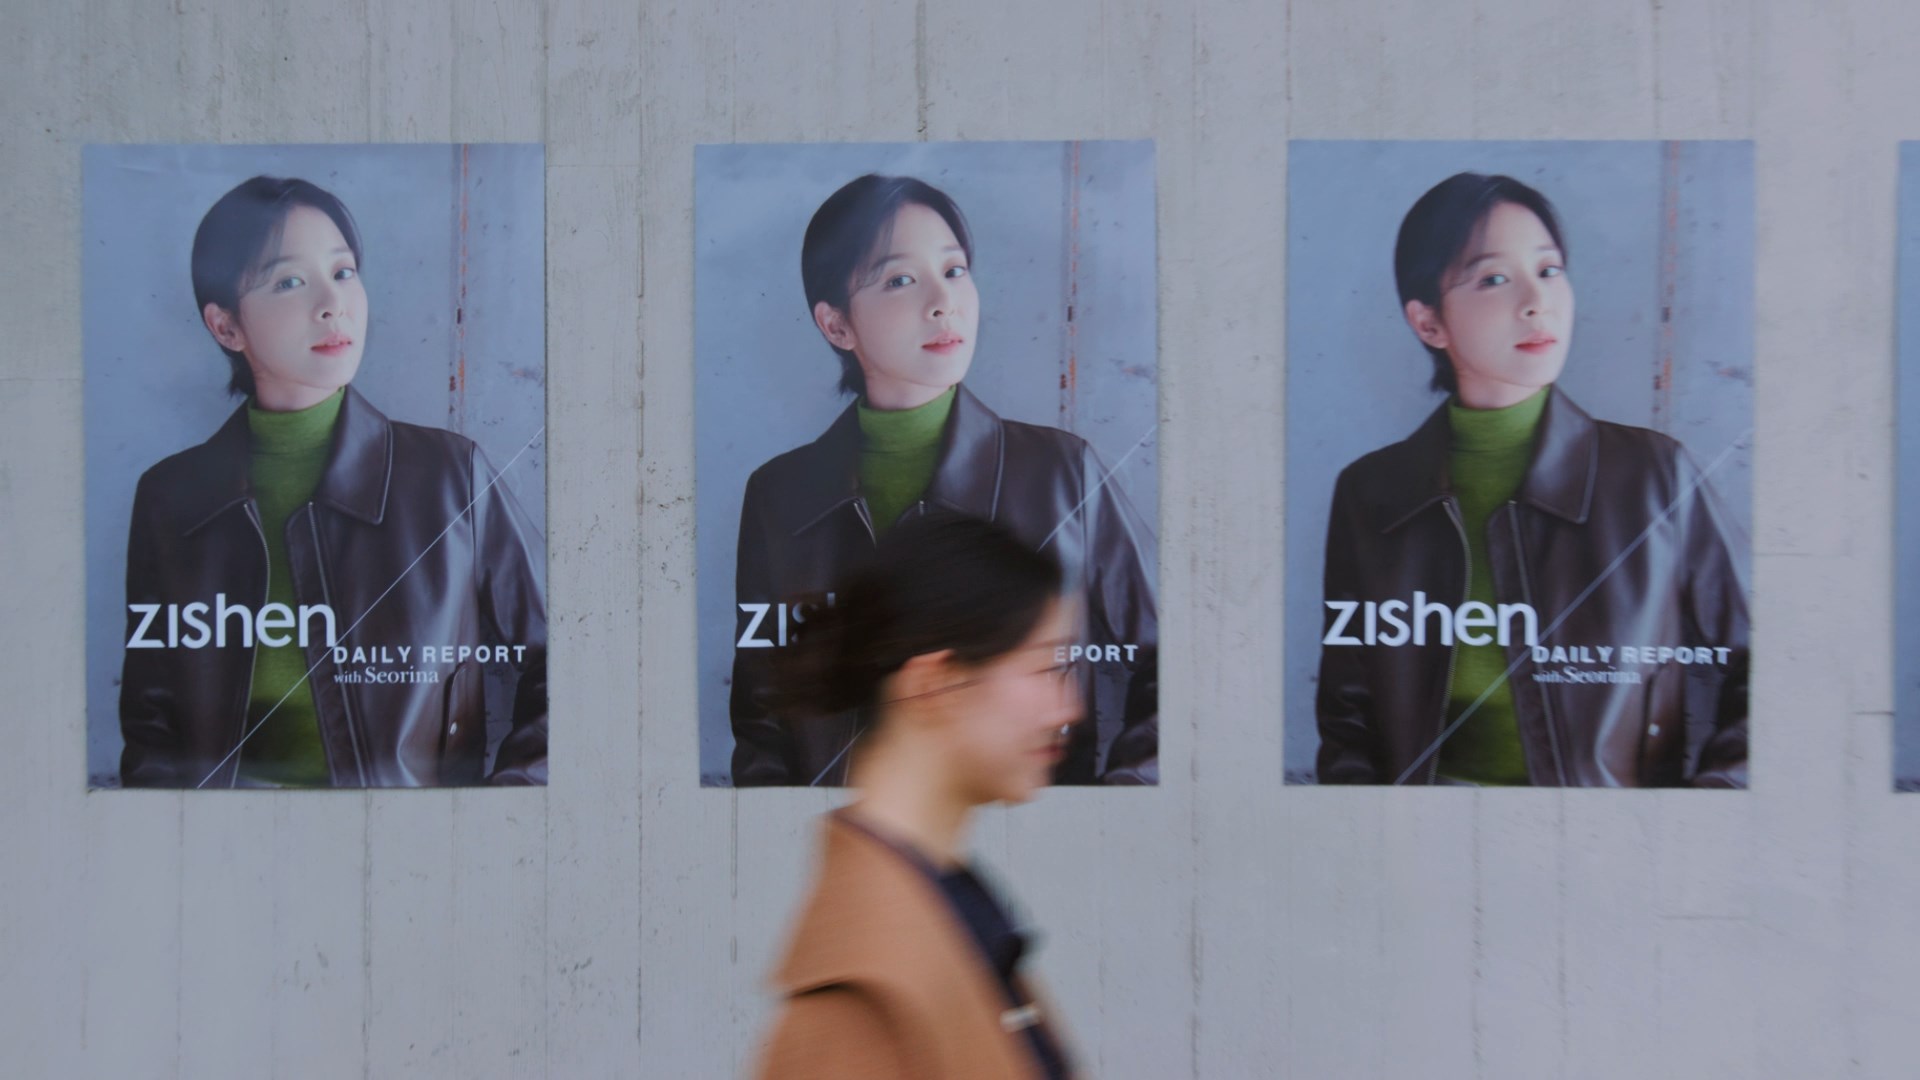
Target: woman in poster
x=1517, y=593
x=887, y=265
x=313, y=592
x=903, y=962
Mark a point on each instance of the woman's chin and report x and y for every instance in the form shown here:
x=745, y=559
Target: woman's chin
x=945, y=371
x=1027, y=789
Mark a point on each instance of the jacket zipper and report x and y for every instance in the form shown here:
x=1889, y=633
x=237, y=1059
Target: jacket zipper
x=866, y=521
x=326, y=597
x=1466, y=590
x=253, y=653
x=1526, y=597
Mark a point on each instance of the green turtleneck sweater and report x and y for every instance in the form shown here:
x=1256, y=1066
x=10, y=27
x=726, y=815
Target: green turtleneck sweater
x=1488, y=459
x=898, y=450
x=289, y=454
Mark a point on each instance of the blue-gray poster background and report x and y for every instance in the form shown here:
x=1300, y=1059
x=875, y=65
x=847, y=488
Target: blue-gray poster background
x=454, y=257
x=1660, y=242
x=1906, y=622
x=1054, y=224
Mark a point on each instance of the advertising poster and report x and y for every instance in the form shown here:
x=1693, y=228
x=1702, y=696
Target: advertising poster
x=315, y=465
x=1518, y=466
x=884, y=330
x=1906, y=547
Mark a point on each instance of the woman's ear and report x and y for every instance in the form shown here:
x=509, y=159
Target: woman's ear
x=834, y=326
x=925, y=676
x=1426, y=324
x=224, y=327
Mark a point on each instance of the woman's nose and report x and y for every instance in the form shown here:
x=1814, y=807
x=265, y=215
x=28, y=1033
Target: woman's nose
x=1534, y=299
x=329, y=298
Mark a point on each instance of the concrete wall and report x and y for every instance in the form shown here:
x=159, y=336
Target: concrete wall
x=618, y=923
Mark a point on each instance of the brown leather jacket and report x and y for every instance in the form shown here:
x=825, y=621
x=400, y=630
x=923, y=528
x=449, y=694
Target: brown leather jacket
x=408, y=541
x=882, y=982
x=804, y=526
x=1615, y=540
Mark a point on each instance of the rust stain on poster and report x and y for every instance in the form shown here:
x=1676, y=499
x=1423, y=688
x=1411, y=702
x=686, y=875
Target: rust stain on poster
x=457, y=378
x=1662, y=418
x=1070, y=360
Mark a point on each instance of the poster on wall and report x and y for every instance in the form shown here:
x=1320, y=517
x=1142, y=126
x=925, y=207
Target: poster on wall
x=884, y=330
x=1518, y=463
x=315, y=465
x=1906, y=547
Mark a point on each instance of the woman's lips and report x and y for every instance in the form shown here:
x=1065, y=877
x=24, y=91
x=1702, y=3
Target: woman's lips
x=1538, y=345
x=945, y=344
x=334, y=346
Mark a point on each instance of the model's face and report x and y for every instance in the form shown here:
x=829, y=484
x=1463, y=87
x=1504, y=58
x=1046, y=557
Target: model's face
x=910, y=321
x=302, y=318
x=1007, y=727
x=1506, y=311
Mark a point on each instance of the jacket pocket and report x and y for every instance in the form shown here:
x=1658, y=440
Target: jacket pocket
x=463, y=731
x=1663, y=736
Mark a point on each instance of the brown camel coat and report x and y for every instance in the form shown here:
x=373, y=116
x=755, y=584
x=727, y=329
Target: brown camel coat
x=883, y=981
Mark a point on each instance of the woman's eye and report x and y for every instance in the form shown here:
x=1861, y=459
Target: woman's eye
x=1493, y=279
x=956, y=271
x=899, y=281
x=292, y=281
x=1552, y=271
x=345, y=273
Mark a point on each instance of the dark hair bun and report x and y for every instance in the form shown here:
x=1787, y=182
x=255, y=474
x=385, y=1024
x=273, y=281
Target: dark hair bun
x=937, y=582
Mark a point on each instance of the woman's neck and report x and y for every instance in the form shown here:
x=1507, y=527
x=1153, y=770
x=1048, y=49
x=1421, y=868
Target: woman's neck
x=893, y=395
x=1483, y=394
x=903, y=795
x=282, y=397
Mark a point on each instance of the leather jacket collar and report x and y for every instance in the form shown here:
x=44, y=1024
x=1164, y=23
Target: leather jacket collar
x=358, y=473
x=1560, y=480
x=966, y=477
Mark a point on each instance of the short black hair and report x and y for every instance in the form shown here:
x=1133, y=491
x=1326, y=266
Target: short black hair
x=235, y=236
x=849, y=230
x=1436, y=231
